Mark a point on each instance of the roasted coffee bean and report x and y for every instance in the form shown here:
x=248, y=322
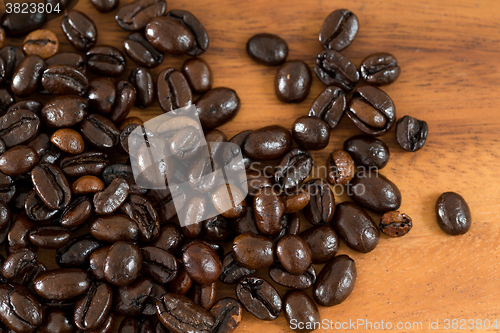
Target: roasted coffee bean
x=300, y=308
x=144, y=85
x=334, y=69
x=51, y=185
x=411, y=133
x=72, y=59
x=323, y=242
x=80, y=30
x=77, y=212
x=201, y=263
x=64, y=111
x=18, y=22
x=294, y=254
x=218, y=228
x=64, y=80
x=375, y=192
x=126, y=94
x=100, y=131
x=101, y=94
x=36, y=209
x=18, y=264
x=190, y=22
x=182, y=283
x=217, y=106
x=6, y=100
x=232, y=272
x=203, y=294
x=294, y=167
x=76, y=252
x=113, y=228
x=141, y=51
x=180, y=314
x=111, y=198
x=18, y=127
x=136, y=15
x=56, y=321
x=88, y=163
x=123, y=263
x=105, y=6
x=227, y=313
x=368, y=151
x=330, y=106
x=27, y=76
x=122, y=171
x=259, y=298
x=170, y=238
x=49, y=237
x=106, y=60
x=41, y=42
x=395, y=224
x=380, y=69
x=198, y=74
x=355, y=227
x=268, y=143
x=295, y=201
x=229, y=201
x=178, y=41
x=18, y=160
x=372, y=110
x=268, y=209
x=253, y=251
x=173, y=90
x=18, y=235
x=321, y=207
x=32, y=105
x=87, y=184
x=158, y=264
x=96, y=262
x=335, y=282
x=292, y=81
x=92, y=308
x=340, y=168
x=13, y=57
x=136, y=325
x=267, y=49
x=338, y=30
x=453, y=214
x=68, y=140
x=141, y=210
x=61, y=284
x=21, y=311
x=282, y=277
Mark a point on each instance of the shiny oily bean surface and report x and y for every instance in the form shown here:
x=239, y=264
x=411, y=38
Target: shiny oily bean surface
x=340, y=167
x=27, y=76
x=101, y=94
x=311, y=133
x=106, y=60
x=188, y=20
x=198, y=74
x=51, y=185
x=268, y=143
x=217, y=106
x=329, y=106
x=135, y=15
x=294, y=254
x=268, y=209
x=380, y=69
x=411, y=133
x=293, y=81
x=375, y=192
x=453, y=214
x=18, y=160
x=338, y=30
x=123, y=263
x=201, y=263
x=259, y=298
x=334, y=69
x=80, y=30
x=92, y=308
x=267, y=49
x=18, y=127
x=323, y=242
x=64, y=80
x=114, y=227
x=21, y=311
x=62, y=284
x=298, y=307
x=335, y=282
x=68, y=140
x=227, y=313
x=178, y=41
x=286, y=279
x=138, y=48
x=49, y=237
x=367, y=151
x=64, y=111
x=253, y=251
x=41, y=42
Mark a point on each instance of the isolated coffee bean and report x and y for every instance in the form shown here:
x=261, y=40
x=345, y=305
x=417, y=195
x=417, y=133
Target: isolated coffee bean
x=72, y=59
x=335, y=282
x=88, y=163
x=198, y=74
x=329, y=106
x=123, y=263
x=323, y=242
x=92, y=308
x=18, y=160
x=253, y=251
x=21, y=311
x=311, y=133
x=80, y=30
x=113, y=228
x=189, y=21
x=201, y=263
x=300, y=308
x=321, y=206
x=411, y=133
x=61, y=284
x=292, y=81
x=453, y=214
x=267, y=49
x=135, y=15
x=338, y=30
x=101, y=94
x=138, y=48
x=99, y=131
x=380, y=69
x=259, y=298
x=106, y=60
x=51, y=185
x=269, y=209
x=367, y=151
x=19, y=22
x=49, y=237
x=41, y=42
x=294, y=167
x=227, y=313
x=105, y=6
x=372, y=111
x=268, y=143
x=126, y=96
x=76, y=253
x=284, y=278
x=56, y=321
x=13, y=57
x=340, y=167
x=112, y=197
x=375, y=192
x=27, y=76
x=334, y=69
x=395, y=224
x=173, y=90
x=144, y=85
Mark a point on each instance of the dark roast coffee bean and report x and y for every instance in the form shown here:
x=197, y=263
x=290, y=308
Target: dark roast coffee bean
x=411, y=133
x=136, y=325
x=340, y=168
x=64, y=80
x=158, y=264
x=32, y=105
x=76, y=252
x=329, y=106
x=368, y=151
x=21, y=311
x=100, y=131
x=106, y=60
x=292, y=81
x=41, y=42
x=227, y=313
x=141, y=78
x=77, y=212
x=380, y=69
x=334, y=69
x=268, y=209
x=201, y=263
x=105, y=6
x=179, y=39
x=92, y=308
x=267, y=49
x=113, y=228
x=13, y=57
x=321, y=207
x=189, y=21
x=170, y=238
x=123, y=263
x=18, y=160
x=88, y=163
x=138, y=48
x=300, y=308
x=173, y=90
x=180, y=314
x=6, y=100
x=18, y=235
x=18, y=22
x=64, y=111
x=453, y=214
x=61, y=284
x=338, y=30
x=27, y=76
x=335, y=282
x=268, y=143
x=203, y=294
x=355, y=227
x=80, y=30
x=294, y=167
x=51, y=185
x=375, y=192
x=49, y=237
x=284, y=278
x=253, y=251
x=101, y=94
x=56, y=321
x=109, y=200
x=311, y=133
x=126, y=96
x=69, y=59
x=135, y=15
x=141, y=210
x=372, y=110
x=323, y=242
x=217, y=106
x=232, y=272
x=259, y=298
x=294, y=254
x=395, y=224
x=198, y=74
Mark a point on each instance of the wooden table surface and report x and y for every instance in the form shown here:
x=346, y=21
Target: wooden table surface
x=448, y=51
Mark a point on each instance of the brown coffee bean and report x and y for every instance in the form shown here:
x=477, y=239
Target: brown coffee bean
x=395, y=224
x=253, y=251
x=18, y=160
x=198, y=74
x=42, y=42
x=64, y=80
x=123, y=263
x=62, y=284
x=340, y=167
x=68, y=140
x=113, y=228
x=27, y=76
x=202, y=263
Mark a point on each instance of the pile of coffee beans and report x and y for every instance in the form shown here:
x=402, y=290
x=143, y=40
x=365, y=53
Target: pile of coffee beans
x=66, y=184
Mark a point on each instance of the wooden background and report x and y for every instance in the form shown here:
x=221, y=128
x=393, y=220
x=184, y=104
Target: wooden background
x=448, y=51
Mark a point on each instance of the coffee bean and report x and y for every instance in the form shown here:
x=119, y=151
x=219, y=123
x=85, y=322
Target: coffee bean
x=198, y=74
x=268, y=143
x=311, y=133
x=123, y=263
x=80, y=30
x=227, y=313
x=141, y=78
x=179, y=39
x=269, y=209
x=335, y=282
x=18, y=22
x=329, y=106
x=99, y=131
x=395, y=224
x=41, y=42
x=21, y=311
x=321, y=207
x=375, y=192
x=340, y=167
x=136, y=325
x=13, y=57
x=284, y=278
x=267, y=49
x=64, y=80
x=101, y=94
x=259, y=298
x=217, y=106
x=49, y=237
x=367, y=151
x=64, y=111
x=61, y=284
x=32, y=105
x=300, y=308
x=56, y=321
x=135, y=15
x=141, y=51
x=126, y=99
x=105, y=6
x=27, y=76
x=295, y=166
x=190, y=22
x=253, y=251
x=292, y=81
x=88, y=163
x=72, y=59
x=92, y=308
x=113, y=228
x=453, y=214
x=355, y=227
x=380, y=69
x=18, y=160
x=201, y=263
x=411, y=133
x=323, y=242
x=334, y=69
x=106, y=60
x=372, y=111
x=110, y=199
x=68, y=140
x=338, y=30
x=294, y=254
x=173, y=90
x=76, y=253
x=51, y=185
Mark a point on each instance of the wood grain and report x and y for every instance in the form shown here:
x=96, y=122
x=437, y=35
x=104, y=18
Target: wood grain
x=448, y=53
